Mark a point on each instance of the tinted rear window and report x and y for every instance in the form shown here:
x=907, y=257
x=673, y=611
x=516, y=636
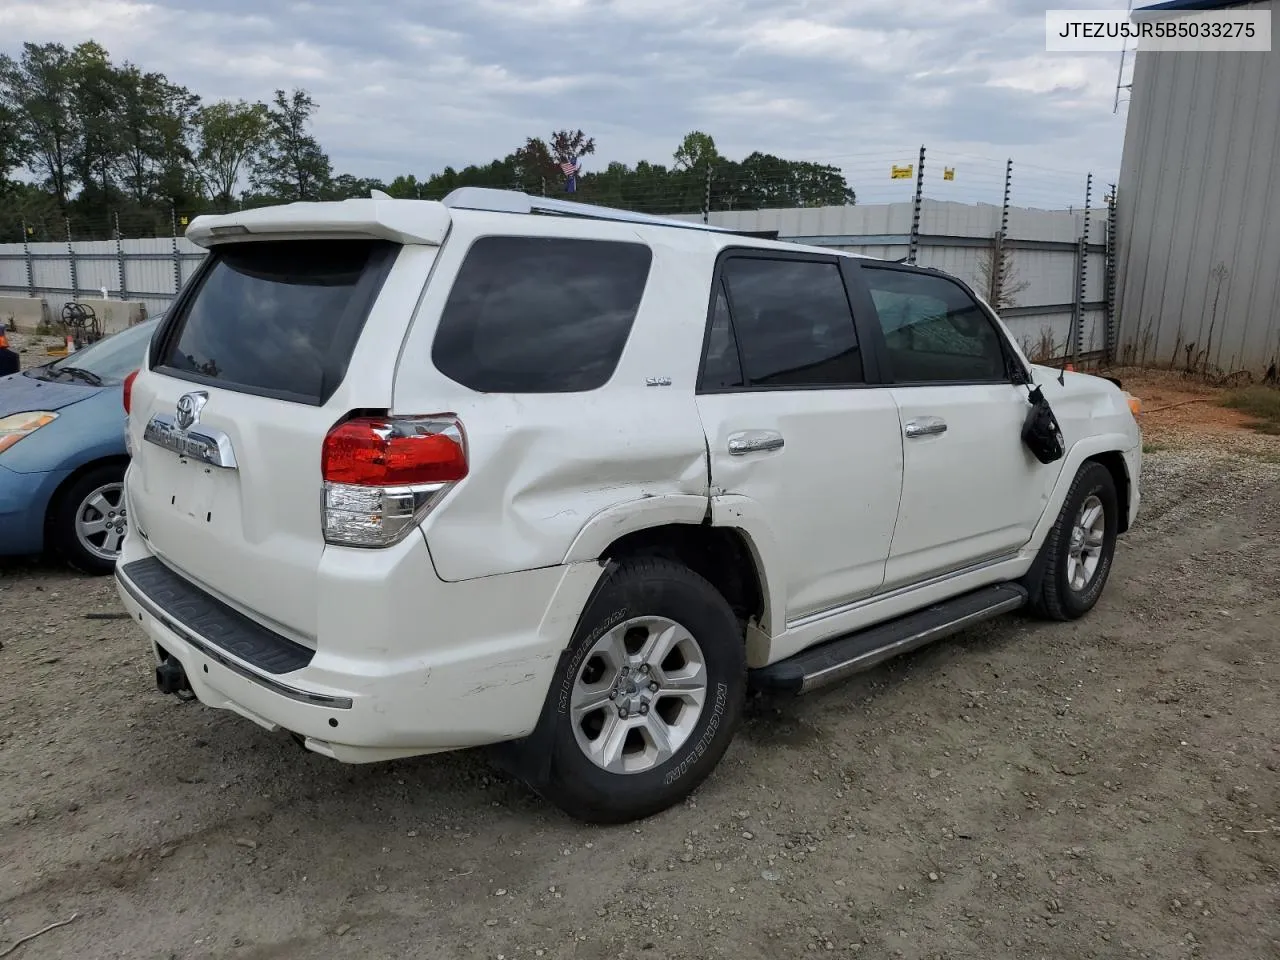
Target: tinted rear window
x=277, y=318
x=540, y=315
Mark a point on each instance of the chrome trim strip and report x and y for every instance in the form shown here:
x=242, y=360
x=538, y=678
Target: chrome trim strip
x=811, y=618
x=199, y=443
x=869, y=659
x=293, y=693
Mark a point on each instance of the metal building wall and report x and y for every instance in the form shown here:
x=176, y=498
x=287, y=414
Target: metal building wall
x=1198, y=212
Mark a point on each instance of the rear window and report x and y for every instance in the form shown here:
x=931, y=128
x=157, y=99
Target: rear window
x=540, y=315
x=276, y=318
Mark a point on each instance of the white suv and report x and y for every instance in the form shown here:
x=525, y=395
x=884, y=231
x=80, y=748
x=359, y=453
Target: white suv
x=413, y=476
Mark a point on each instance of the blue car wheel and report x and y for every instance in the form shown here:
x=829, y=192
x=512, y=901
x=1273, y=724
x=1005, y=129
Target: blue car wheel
x=88, y=521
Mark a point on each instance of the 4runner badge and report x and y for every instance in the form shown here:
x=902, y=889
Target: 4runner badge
x=185, y=435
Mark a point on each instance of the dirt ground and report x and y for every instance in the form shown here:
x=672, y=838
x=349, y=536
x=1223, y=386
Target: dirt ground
x=1109, y=788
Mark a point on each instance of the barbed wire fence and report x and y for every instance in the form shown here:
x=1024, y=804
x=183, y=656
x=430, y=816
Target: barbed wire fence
x=104, y=251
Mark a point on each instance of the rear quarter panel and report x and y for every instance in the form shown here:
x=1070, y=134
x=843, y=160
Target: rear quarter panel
x=556, y=477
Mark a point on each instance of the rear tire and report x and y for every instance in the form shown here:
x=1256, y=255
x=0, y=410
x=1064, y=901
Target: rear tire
x=1076, y=557
x=87, y=522
x=649, y=696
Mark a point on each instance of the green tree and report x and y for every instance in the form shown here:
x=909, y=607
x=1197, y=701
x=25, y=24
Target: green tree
x=156, y=121
x=763, y=181
x=291, y=165
x=12, y=146
x=571, y=143
x=405, y=187
x=227, y=136
x=535, y=169
x=696, y=151
x=97, y=146
x=38, y=89
x=347, y=187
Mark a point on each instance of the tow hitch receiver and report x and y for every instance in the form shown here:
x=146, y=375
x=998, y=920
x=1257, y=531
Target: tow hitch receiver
x=171, y=678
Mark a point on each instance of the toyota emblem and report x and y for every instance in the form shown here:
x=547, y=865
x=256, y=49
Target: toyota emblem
x=189, y=406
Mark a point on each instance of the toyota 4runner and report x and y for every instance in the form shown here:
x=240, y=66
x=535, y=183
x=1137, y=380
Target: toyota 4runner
x=418, y=476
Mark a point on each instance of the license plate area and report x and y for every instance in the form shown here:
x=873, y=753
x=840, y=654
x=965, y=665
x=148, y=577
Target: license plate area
x=193, y=490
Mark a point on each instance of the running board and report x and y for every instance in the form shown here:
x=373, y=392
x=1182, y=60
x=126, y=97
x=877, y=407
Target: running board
x=844, y=656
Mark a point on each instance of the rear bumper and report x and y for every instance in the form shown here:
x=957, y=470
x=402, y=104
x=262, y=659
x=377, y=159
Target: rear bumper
x=24, y=502
x=405, y=663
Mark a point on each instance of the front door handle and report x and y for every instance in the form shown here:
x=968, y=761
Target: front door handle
x=754, y=441
x=925, y=427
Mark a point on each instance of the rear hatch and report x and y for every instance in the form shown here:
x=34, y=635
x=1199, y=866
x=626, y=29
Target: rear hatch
x=274, y=342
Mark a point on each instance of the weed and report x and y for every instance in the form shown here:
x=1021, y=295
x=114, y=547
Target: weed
x=1261, y=403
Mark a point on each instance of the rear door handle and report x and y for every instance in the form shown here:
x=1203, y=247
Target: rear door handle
x=754, y=441
x=925, y=427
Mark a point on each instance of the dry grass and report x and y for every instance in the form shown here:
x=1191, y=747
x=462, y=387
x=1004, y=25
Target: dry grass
x=1260, y=403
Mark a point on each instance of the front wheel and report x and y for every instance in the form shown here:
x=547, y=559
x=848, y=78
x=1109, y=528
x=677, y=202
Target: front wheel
x=648, y=699
x=1076, y=556
x=88, y=521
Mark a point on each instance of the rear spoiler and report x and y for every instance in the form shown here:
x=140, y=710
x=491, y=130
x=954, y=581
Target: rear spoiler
x=378, y=216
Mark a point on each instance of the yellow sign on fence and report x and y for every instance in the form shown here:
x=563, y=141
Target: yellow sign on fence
x=948, y=173
x=902, y=173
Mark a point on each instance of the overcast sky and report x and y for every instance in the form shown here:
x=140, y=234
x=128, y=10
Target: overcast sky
x=413, y=85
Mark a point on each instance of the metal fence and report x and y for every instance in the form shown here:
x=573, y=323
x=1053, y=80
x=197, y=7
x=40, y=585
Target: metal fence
x=1054, y=270
x=151, y=270
x=1051, y=273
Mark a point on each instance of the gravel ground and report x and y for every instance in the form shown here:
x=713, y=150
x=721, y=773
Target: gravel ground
x=1108, y=788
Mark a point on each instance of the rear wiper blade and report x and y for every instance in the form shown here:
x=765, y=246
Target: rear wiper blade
x=79, y=373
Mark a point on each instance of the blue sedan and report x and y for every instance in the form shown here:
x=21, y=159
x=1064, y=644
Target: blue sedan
x=63, y=456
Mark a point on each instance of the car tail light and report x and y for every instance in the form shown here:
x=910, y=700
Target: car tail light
x=128, y=390
x=382, y=475
x=4, y=340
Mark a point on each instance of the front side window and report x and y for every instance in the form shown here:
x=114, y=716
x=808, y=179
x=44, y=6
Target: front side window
x=540, y=314
x=934, y=331
x=792, y=322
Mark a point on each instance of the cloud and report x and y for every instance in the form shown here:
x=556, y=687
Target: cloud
x=415, y=85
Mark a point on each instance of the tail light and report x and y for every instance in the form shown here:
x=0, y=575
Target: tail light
x=382, y=475
x=128, y=390
x=4, y=340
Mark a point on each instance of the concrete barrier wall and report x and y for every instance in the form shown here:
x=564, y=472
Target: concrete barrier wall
x=115, y=315
x=23, y=314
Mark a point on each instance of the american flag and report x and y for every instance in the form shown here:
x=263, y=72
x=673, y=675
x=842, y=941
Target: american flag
x=570, y=167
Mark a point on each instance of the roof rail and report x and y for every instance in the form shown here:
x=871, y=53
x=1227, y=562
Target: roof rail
x=513, y=201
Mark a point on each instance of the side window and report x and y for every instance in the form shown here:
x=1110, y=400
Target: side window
x=792, y=322
x=723, y=370
x=933, y=330
x=540, y=314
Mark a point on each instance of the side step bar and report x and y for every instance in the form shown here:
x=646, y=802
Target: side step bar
x=842, y=657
